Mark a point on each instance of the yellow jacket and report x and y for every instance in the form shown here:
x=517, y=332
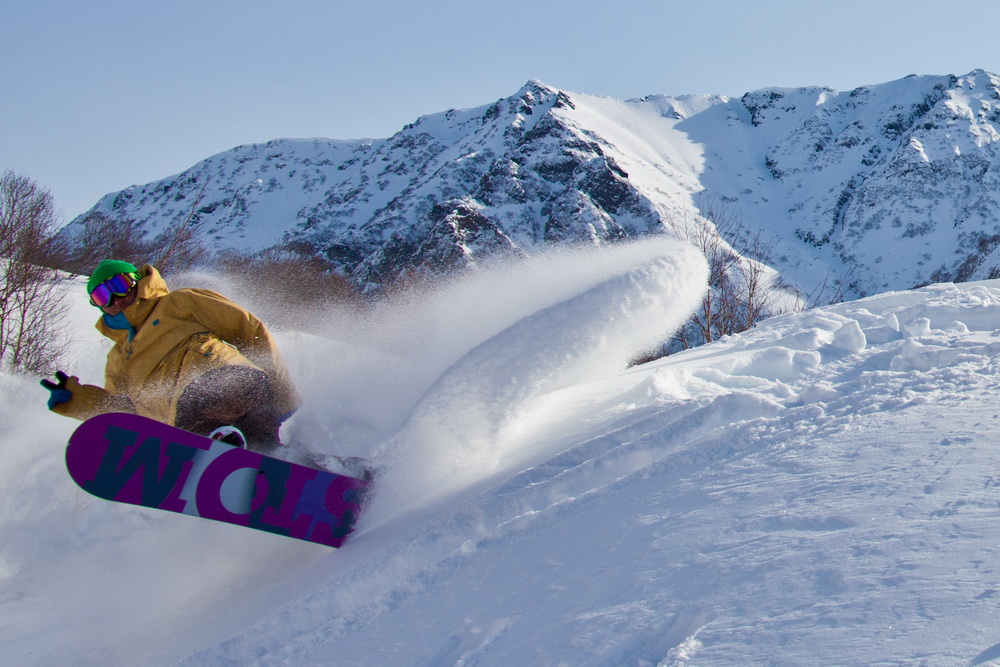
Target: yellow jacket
x=174, y=338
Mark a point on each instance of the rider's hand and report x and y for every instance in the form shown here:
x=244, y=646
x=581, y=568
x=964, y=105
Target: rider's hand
x=60, y=394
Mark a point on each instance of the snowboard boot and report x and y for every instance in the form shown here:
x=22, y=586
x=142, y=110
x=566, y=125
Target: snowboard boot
x=229, y=435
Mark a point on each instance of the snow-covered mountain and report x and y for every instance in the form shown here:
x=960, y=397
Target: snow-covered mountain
x=883, y=187
x=820, y=490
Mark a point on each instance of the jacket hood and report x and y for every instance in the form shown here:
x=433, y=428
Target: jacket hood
x=150, y=288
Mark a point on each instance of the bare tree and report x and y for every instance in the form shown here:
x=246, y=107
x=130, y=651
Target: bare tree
x=742, y=288
x=31, y=308
x=180, y=245
x=289, y=289
x=102, y=237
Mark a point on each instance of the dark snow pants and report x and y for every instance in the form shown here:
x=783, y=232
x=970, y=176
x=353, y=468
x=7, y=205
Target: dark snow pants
x=232, y=396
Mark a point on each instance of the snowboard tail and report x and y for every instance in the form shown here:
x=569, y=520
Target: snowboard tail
x=132, y=459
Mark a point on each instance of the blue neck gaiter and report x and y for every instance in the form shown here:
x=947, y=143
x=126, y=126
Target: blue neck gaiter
x=119, y=321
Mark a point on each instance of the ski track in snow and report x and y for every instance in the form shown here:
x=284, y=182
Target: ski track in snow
x=820, y=490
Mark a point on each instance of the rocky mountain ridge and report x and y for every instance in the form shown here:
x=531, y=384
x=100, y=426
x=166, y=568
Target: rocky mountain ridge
x=883, y=187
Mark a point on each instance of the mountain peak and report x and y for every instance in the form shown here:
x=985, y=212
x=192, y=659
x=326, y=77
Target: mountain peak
x=836, y=179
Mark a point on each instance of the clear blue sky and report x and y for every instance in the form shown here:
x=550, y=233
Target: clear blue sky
x=99, y=95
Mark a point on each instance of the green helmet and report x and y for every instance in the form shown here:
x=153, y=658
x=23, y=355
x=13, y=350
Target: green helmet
x=108, y=269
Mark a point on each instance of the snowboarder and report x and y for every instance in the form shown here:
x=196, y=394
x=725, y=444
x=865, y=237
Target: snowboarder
x=190, y=358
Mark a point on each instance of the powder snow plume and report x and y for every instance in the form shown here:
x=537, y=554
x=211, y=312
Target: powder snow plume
x=430, y=385
x=596, y=312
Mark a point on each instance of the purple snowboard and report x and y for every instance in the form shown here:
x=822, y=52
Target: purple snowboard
x=137, y=460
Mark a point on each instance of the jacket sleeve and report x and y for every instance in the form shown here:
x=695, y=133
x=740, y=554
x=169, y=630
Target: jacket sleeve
x=234, y=325
x=89, y=400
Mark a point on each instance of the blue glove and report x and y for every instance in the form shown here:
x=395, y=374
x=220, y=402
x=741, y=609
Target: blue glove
x=60, y=394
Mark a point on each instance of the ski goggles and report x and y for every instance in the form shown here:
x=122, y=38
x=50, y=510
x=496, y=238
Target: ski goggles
x=114, y=286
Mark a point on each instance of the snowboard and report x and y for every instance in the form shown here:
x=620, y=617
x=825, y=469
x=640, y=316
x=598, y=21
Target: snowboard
x=132, y=459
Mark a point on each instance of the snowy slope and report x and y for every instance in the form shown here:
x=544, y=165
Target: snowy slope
x=819, y=490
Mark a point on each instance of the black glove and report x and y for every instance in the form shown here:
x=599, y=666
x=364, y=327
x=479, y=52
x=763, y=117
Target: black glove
x=60, y=394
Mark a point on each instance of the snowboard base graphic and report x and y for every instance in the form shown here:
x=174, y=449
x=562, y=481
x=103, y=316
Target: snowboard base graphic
x=132, y=459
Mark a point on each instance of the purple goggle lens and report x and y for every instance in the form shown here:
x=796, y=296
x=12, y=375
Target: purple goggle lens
x=114, y=286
